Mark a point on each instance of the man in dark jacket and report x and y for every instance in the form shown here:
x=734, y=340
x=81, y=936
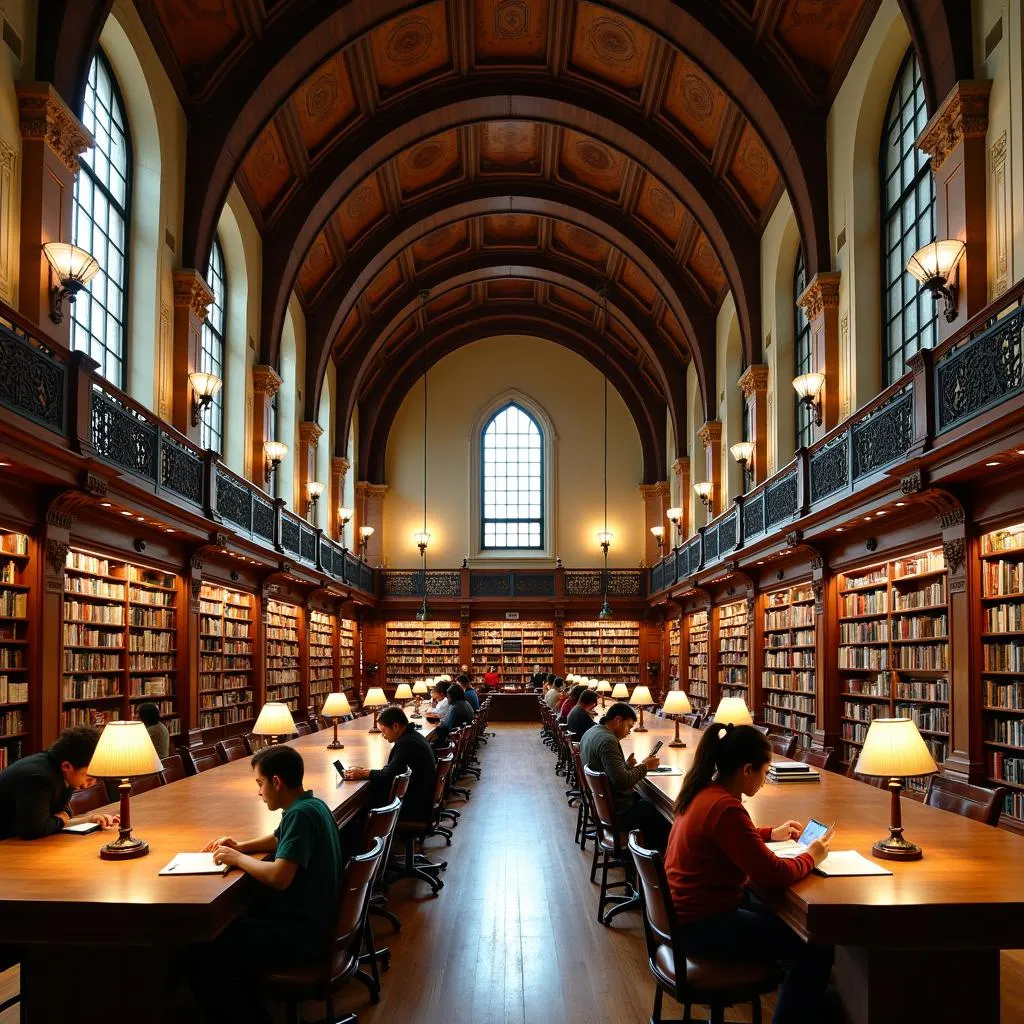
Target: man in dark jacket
x=460, y=712
x=581, y=718
x=35, y=791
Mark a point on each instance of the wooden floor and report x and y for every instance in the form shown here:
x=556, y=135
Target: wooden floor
x=512, y=937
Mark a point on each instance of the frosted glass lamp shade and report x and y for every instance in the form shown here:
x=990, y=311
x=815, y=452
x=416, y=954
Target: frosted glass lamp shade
x=733, y=711
x=275, y=451
x=641, y=697
x=123, y=752
x=366, y=532
x=676, y=703
x=374, y=698
x=673, y=515
x=344, y=515
x=658, y=532
x=604, y=686
x=894, y=748
x=403, y=692
x=420, y=688
x=336, y=706
x=621, y=692
x=938, y=259
x=743, y=452
x=703, y=490
x=444, y=679
x=275, y=720
x=70, y=263
x=314, y=489
x=809, y=385
x=205, y=385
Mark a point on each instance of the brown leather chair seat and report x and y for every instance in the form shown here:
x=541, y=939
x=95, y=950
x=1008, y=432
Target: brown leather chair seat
x=743, y=980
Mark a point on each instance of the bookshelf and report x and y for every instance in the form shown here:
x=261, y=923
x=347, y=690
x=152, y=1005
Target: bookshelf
x=513, y=646
x=225, y=658
x=894, y=651
x=321, y=656
x=418, y=650
x=346, y=655
x=120, y=636
x=283, y=674
x=788, y=676
x=673, y=649
x=14, y=652
x=697, y=658
x=733, y=657
x=603, y=650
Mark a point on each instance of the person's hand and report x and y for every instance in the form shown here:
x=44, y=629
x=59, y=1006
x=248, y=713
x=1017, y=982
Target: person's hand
x=64, y=816
x=105, y=821
x=819, y=849
x=631, y=760
x=356, y=773
x=787, y=830
x=227, y=855
x=652, y=762
x=226, y=841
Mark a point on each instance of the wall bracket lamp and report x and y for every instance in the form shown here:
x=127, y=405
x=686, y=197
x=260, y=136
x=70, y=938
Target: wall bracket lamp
x=934, y=267
x=365, y=533
x=704, y=491
x=658, y=533
x=204, y=388
x=344, y=518
x=675, y=517
x=808, y=386
x=313, y=491
x=274, y=452
x=73, y=268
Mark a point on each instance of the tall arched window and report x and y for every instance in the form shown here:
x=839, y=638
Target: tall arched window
x=908, y=222
x=211, y=350
x=802, y=353
x=100, y=213
x=513, y=481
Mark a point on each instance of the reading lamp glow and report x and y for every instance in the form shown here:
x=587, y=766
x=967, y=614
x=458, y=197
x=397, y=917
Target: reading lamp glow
x=74, y=268
x=703, y=492
x=808, y=386
x=374, y=699
x=275, y=720
x=421, y=689
x=274, y=452
x=365, y=533
x=123, y=752
x=336, y=706
x=641, y=699
x=344, y=517
x=313, y=491
x=733, y=711
x=204, y=387
x=403, y=692
x=676, y=704
x=675, y=516
x=934, y=267
x=621, y=692
x=603, y=689
x=658, y=533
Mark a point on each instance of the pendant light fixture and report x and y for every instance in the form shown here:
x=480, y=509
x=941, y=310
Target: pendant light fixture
x=423, y=538
x=605, y=536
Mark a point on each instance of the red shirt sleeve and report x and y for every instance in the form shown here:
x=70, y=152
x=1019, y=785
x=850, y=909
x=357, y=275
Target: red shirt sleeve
x=742, y=843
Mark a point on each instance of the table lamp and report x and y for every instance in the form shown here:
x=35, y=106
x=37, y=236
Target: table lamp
x=603, y=689
x=621, y=692
x=676, y=704
x=336, y=706
x=642, y=699
x=403, y=692
x=570, y=677
x=421, y=689
x=275, y=721
x=733, y=711
x=374, y=699
x=124, y=751
x=893, y=749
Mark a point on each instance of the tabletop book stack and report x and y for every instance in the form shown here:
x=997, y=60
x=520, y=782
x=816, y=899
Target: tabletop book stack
x=792, y=771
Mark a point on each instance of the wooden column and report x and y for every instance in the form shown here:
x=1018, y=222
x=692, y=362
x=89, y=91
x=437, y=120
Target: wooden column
x=826, y=662
x=654, y=498
x=820, y=302
x=754, y=384
x=309, y=438
x=710, y=436
x=192, y=298
x=189, y=649
x=370, y=512
x=56, y=541
x=681, y=469
x=52, y=138
x=336, y=498
x=265, y=384
x=954, y=138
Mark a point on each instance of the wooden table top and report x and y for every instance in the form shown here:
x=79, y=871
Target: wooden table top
x=60, y=882
x=967, y=890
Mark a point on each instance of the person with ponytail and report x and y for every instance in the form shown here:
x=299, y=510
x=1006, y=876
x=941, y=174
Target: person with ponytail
x=714, y=850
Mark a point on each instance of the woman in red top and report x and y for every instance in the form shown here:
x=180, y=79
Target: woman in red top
x=714, y=850
x=491, y=677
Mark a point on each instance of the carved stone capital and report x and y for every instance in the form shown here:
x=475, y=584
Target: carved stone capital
x=955, y=553
x=681, y=465
x=310, y=433
x=822, y=293
x=265, y=380
x=652, y=492
x=191, y=292
x=710, y=433
x=371, y=492
x=46, y=117
x=340, y=465
x=963, y=115
x=56, y=555
x=754, y=380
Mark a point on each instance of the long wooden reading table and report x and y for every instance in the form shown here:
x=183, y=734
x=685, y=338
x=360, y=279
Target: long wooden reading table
x=922, y=944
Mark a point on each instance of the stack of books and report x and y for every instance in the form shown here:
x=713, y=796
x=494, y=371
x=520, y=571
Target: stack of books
x=792, y=771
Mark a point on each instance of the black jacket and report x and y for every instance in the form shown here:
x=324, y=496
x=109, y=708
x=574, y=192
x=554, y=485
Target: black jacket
x=32, y=791
x=410, y=750
x=579, y=721
x=460, y=713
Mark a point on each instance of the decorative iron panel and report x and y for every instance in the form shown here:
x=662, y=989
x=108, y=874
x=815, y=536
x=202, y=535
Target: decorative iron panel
x=289, y=534
x=32, y=382
x=262, y=518
x=444, y=584
x=403, y=584
x=181, y=470
x=830, y=468
x=234, y=501
x=658, y=577
x=490, y=584
x=307, y=545
x=982, y=372
x=727, y=533
x=883, y=437
x=352, y=565
x=123, y=438
x=694, y=550
x=753, y=516
x=625, y=583
x=533, y=584
x=710, y=544
x=365, y=578
x=583, y=583
x=682, y=568
x=780, y=500
x=339, y=563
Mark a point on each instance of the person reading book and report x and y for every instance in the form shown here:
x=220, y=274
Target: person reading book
x=293, y=914
x=714, y=851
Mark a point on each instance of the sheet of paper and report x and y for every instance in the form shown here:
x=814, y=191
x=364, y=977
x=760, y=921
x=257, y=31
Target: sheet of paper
x=845, y=863
x=786, y=848
x=194, y=864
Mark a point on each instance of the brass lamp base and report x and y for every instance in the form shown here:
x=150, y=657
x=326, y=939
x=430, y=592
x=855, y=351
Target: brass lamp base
x=641, y=727
x=374, y=728
x=335, y=744
x=677, y=742
x=896, y=848
x=124, y=848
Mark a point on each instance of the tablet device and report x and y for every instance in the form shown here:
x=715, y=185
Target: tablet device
x=82, y=828
x=814, y=829
x=341, y=769
x=654, y=750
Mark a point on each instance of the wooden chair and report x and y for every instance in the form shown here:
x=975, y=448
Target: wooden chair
x=825, y=759
x=613, y=853
x=144, y=783
x=232, y=749
x=871, y=780
x=409, y=832
x=764, y=730
x=715, y=984
x=977, y=802
x=380, y=823
x=340, y=960
x=174, y=768
x=85, y=801
x=200, y=759
x=314, y=723
x=379, y=899
x=302, y=728
x=784, y=744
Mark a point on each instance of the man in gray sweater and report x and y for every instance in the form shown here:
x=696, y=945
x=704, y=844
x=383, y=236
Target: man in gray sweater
x=601, y=751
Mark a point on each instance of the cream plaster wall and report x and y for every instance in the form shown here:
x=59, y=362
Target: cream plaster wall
x=570, y=391
x=21, y=15
x=325, y=446
x=729, y=363
x=698, y=458
x=289, y=405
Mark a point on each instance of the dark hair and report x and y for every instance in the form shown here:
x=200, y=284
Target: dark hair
x=574, y=693
x=559, y=681
x=723, y=749
x=442, y=688
x=465, y=681
x=620, y=709
x=149, y=713
x=392, y=716
x=455, y=692
x=282, y=761
x=75, y=745
x=587, y=697
x=552, y=678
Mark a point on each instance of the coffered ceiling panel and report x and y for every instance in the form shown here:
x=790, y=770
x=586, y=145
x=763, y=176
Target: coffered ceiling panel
x=324, y=103
x=511, y=290
x=441, y=244
x=449, y=302
x=509, y=230
x=584, y=160
x=316, y=267
x=510, y=146
x=266, y=167
x=610, y=48
x=580, y=244
x=571, y=302
x=705, y=265
x=200, y=32
x=817, y=31
x=408, y=49
x=360, y=210
x=510, y=31
x=661, y=210
x=436, y=161
x=638, y=284
x=694, y=103
x=752, y=168
x=384, y=284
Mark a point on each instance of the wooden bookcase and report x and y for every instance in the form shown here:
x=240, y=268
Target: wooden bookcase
x=733, y=656
x=697, y=657
x=282, y=629
x=603, y=650
x=513, y=646
x=673, y=632
x=346, y=655
x=15, y=726
x=322, y=660
x=226, y=690
x=788, y=681
x=418, y=650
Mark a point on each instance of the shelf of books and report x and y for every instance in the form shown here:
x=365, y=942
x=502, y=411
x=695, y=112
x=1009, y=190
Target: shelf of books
x=734, y=650
x=418, y=650
x=787, y=679
x=1002, y=583
x=225, y=658
x=603, y=650
x=697, y=658
x=514, y=647
x=14, y=661
x=120, y=641
x=346, y=655
x=283, y=674
x=894, y=651
x=673, y=649
x=321, y=656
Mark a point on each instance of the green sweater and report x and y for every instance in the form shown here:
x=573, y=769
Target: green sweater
x=600, y=751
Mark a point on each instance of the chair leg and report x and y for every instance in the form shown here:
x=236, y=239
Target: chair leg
x=292, y=1012
x=717, y=1015
x=371, y=986
x=656, y=1012
x=593, y=863
x=755, y=1010
x=381, y=911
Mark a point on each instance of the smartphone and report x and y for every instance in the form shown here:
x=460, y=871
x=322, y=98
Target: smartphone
x=654, y=750
x=341, y=768
x=814, y=829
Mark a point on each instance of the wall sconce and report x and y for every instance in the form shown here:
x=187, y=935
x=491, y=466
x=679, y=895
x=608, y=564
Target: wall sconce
x=274, y=452
x=74, y=268
x=604, y=538
x=743, y=453
x=703, y=491
x=934, y=266
x=808, y=386
x=204, y=387
x=675, y=517
x=365, y=533
x=658, y=533
x=313, y=491
x=344, y=518
x=422, y=539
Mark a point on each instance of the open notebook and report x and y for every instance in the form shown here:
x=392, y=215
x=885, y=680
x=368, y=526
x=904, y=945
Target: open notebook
x=838, y=864
x=194, y=864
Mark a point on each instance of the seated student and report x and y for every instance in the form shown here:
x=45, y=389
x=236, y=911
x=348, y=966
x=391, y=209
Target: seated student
x=459, y=713
x=294, y=911
x=35, y=791
x=714, y=850
x=601, y=751
x=466, y=682
x=150, y=716
x=570, y=702
x=538, y=679
x=554, y=697
x=581, y=718
x=439, y=695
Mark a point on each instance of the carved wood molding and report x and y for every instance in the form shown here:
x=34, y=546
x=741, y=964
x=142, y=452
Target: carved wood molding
x=711, y=433
x=820, y=294
x=963, y=115
x=310, y=433
x=265, y=380
x=45, y=117
x=754, y=380
x=191, y=292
